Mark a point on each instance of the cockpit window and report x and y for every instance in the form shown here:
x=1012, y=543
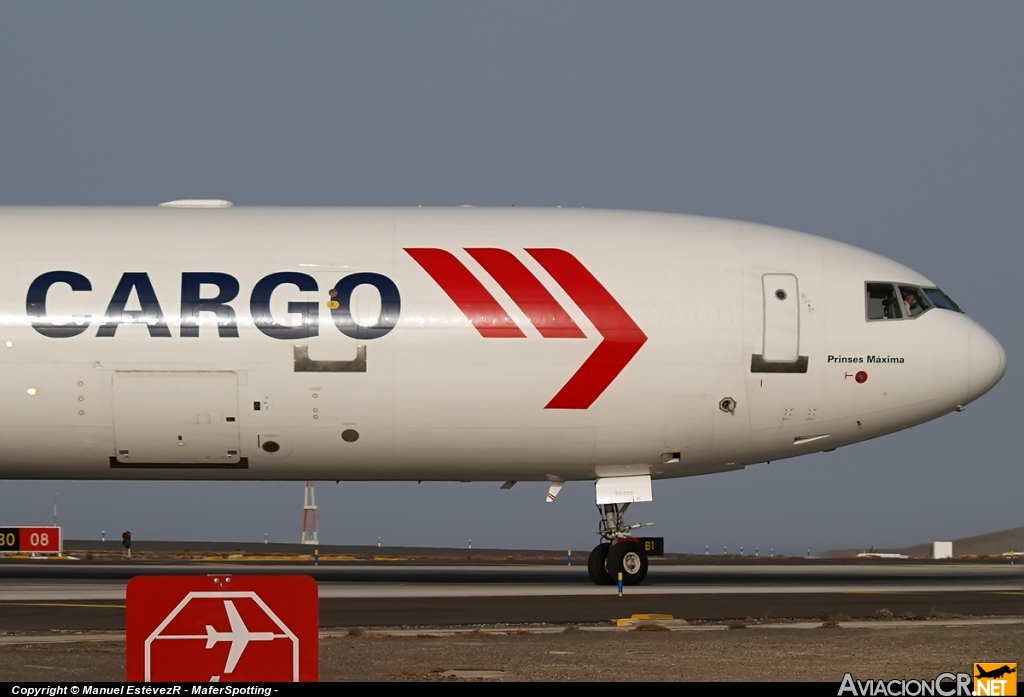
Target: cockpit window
x=941, y=300
x=882, y=301
x=899, y=301
x=915, y=301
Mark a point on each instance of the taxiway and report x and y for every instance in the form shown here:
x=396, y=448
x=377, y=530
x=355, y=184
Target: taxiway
x=64, y=596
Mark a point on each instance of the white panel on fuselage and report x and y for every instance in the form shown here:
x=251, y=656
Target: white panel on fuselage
x=781, y=317
x=176, y=418
x=689, y=422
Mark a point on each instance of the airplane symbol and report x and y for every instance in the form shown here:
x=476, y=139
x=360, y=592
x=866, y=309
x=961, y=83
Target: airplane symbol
x=996, y=673
x=239, y=636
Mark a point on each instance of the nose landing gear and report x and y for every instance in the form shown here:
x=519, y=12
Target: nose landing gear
x=628, y=557
x=620, y=554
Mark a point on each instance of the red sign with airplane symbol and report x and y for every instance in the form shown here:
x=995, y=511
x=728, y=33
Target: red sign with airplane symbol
x=222, y=629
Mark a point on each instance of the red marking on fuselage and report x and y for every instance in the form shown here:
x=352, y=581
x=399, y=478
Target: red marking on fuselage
x=622, y=337
x=550, y=318
x=475, y=301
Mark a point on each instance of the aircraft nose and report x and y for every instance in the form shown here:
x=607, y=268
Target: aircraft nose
x=987, y=363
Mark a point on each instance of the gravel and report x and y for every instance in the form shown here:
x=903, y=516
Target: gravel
x=779, y=653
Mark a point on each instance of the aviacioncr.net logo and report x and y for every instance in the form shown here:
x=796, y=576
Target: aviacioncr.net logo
x=995, y=679
x=943, y=685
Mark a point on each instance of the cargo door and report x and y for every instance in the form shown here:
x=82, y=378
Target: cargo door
x=781, y=318
x=176, y=419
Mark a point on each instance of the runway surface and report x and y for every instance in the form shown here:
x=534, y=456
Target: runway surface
x=46, y=580
x=46, y=596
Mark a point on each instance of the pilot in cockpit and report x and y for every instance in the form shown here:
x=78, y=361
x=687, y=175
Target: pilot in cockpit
x=914, y=305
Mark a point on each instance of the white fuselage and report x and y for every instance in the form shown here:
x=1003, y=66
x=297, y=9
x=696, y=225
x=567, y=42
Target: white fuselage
x=723, y=344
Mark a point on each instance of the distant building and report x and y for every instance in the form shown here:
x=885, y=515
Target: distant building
x=942, y=550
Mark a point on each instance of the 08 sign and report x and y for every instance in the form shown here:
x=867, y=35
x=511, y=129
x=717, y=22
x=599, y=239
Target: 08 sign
x=40, y=540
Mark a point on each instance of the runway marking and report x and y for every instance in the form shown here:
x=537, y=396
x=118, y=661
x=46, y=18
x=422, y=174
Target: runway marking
x=7, y=604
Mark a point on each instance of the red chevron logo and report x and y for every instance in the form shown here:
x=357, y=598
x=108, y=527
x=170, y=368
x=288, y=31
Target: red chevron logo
x=622, y=338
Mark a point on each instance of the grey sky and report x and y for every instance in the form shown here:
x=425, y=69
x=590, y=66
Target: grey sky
x=892, y=126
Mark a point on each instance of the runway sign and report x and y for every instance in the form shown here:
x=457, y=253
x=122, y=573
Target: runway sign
x=35, y=540
x=654, y=546
x=222, y=629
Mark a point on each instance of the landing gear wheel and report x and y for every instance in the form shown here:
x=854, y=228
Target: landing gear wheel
x=630, y=559
x=596, y=565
